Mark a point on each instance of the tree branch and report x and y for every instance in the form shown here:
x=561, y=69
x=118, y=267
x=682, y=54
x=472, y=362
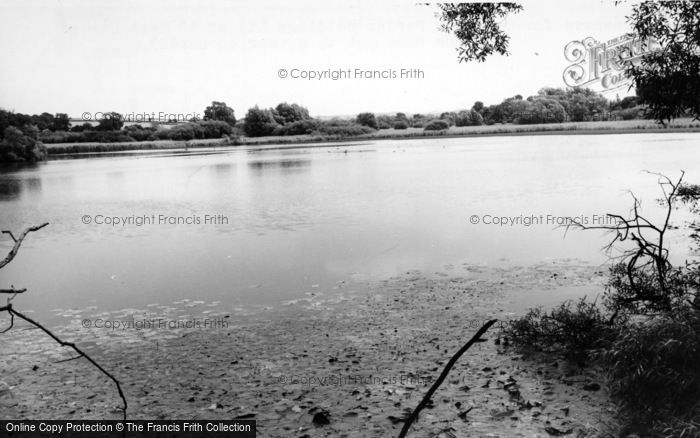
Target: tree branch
x=13, y=252
x=77, y=350
x=443, y=376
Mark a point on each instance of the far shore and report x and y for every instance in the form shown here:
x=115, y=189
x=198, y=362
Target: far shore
x=568, y=128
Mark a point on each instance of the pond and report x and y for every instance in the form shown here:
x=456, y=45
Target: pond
x=258, y=226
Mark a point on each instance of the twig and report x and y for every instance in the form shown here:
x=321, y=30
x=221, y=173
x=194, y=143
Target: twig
x=77, y=350
x=8, y=308
x=12, y=291
x=13, y=252
x=443, y=376
x=12, y=323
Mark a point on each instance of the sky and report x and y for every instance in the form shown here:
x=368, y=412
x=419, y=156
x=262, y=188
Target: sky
x=175, y=57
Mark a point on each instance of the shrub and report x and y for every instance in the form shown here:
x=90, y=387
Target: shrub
x=401, y=125
x=630, y=113
x=653, y=364
x=301, y=127
x=437, y=125
x=576, y=331
x=343, y=128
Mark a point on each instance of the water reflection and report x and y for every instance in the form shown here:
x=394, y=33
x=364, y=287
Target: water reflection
x=286, y=165
x=10, y=189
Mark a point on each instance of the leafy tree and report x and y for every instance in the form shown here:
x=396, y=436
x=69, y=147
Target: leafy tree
x=477, y=27
x=291, y=113
x=668, y=80
x=449, y=117
x=469, y=118
x=43, y=121
x=61, y=122
x=219, y=111
x=478, y=106
x=367, y=119
x=111, y=121
x=259, y=122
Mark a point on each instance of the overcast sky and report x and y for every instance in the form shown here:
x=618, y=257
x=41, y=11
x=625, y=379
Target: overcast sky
x=176, y=56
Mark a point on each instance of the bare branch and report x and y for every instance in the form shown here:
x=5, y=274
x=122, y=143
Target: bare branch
x=12, y=323
x=77, y=350
x=18, y=242
x=443, y=376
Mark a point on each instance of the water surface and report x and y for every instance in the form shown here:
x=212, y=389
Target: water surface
x=301, y=220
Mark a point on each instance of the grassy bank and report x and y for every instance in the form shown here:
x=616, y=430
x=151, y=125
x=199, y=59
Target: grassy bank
x=569, y=128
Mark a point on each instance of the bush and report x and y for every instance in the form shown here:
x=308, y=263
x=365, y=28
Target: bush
x=301, y=127
x=648, y=336
x=653, y=365
x=343, y=128
x=401, y=125
x=576, y=331
x=630, y=113
x=437, y=125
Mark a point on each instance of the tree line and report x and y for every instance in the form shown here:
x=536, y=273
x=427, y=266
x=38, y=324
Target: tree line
x=24, y=136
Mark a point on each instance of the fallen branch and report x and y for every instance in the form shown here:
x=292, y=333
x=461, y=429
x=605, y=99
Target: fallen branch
x=8, y=308
x=13, y=252
x=77, y=350
x=443, y=376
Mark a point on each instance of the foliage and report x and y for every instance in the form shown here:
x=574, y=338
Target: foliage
x=299, y=127
x=668, y=80
x=647, y=334
x=477, y=27
x=220, y=112
x=575, y=330
x=111, y=121
x=343, y=128
x=653, y=364
x=286, y=113
x=367, y=119
x=18, y=146
x=469, y=118
x=401, y=124
x=437, y=125
x=259, y=122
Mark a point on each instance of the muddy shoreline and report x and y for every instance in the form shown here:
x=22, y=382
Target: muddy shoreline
x=363, y=354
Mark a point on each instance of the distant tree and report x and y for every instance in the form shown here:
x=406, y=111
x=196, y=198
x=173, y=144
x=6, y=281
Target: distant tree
x=449, y=117
x=418, y=120
x=43, y=121
x=81, y=128
x=469, y=118
x=219, y=111
x=61, y=122
x=291, y=113
x=367, y=119
x=668, y=80
x=259, y=122
x=478, y=106
x=401, y=124
x=111, y=121
x=477, y=27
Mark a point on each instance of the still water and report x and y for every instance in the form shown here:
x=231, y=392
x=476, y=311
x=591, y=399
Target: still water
x=264, y=226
